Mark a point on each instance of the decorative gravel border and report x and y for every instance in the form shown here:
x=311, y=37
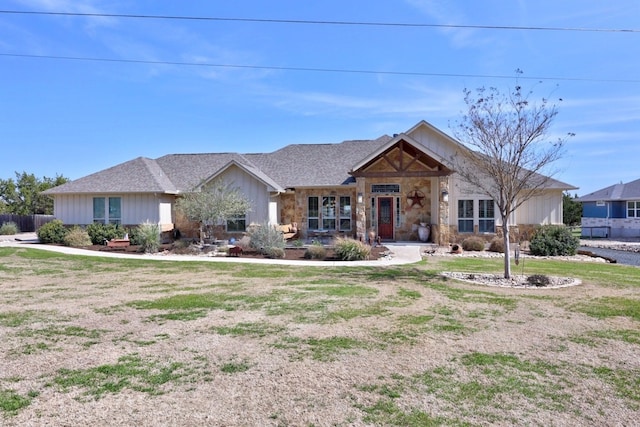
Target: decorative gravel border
x=516, y=281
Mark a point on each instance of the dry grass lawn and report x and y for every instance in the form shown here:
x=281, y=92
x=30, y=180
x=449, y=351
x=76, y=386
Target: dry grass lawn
x=97, y=341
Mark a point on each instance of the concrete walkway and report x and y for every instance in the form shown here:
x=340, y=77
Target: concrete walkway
x=400, y=253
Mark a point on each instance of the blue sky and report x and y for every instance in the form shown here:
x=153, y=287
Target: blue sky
x=76, y=117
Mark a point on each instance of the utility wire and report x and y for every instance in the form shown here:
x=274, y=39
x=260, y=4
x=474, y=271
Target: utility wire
x=309, y=69
x=319, y=22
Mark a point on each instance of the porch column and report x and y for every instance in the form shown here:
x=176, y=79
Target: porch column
x=361, y=216
x=443, y=208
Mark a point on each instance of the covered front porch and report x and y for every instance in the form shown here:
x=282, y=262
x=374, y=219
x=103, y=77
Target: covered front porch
x=401, y=192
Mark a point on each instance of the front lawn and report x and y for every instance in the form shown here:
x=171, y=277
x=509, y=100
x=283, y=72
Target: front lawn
x=95, y=341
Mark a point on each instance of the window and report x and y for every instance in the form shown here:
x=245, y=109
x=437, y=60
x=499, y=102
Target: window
x=98, y=210
x=237, y=223
x=486, y=222
x=313, y=214
x=329, y=213
x=107, y=208
x=385, y=188
x=345, y=213
x=465, y=216
x=115, y=210
x=633, y=209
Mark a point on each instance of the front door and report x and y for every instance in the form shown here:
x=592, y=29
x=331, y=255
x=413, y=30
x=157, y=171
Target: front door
x=385, y=218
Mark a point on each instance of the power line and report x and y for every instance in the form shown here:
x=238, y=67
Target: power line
x=320, y=22
x=310, y=69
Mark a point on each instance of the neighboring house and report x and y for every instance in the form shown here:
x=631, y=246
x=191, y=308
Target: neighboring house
x=388, y=185
x=613, y=211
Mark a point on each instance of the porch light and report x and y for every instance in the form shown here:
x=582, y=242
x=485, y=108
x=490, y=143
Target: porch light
x=445, y=196
x=359, y=197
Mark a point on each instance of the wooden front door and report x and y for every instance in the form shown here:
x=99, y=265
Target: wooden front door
x=385, y=218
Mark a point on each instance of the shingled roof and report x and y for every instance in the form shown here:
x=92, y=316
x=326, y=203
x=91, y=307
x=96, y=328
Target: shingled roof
x=297, y=165
x=141, y=175
x=616, y=192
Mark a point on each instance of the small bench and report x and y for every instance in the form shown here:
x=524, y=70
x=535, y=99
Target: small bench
x=118, y=243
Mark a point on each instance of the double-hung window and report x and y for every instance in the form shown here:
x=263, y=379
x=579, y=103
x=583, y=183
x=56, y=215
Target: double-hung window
x=465, y=216
x=329, y=213
x=486, y=213
x=107, y=210
x=633, y=209
x=345, y=213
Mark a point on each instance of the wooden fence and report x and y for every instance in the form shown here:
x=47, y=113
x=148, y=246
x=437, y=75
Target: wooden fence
x=26, y=223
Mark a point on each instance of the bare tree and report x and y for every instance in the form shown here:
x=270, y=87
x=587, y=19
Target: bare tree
x=508, y=150
x=213, y=204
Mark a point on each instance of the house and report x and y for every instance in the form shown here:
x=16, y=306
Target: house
x=613, y=211
x=387, y=186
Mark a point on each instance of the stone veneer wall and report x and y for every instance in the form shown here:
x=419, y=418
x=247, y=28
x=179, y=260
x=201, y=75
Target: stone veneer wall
x=616, y=227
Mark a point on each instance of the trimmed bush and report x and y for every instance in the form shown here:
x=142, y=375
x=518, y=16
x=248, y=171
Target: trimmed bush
x=539, y=280
x=148, y=237
x=473, y=244
x=553, y=240
x=9, y=228
x=497, y=245
x=315, y=251
x=265, y=238
x=52, y=232
x=274, y=252
x=99, y=232
x=351, y=250
x=76, y=237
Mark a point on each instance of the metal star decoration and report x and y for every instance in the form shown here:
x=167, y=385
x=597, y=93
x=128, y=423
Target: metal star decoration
x=416, y=198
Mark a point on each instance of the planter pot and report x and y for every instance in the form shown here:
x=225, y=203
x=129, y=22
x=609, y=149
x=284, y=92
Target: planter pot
x=423, y=232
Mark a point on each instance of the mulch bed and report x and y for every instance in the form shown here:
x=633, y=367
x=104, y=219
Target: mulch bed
x=292, y=254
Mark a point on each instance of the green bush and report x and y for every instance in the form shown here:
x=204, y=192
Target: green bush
x=315, y=251
x=497, y=245
x=553, y=240
x=266, y=237
x=9, y=228
x=351, y=250
x=77, y=237
x=147, y=235
x=473, y=243
x=52, y=232
x=99, y=232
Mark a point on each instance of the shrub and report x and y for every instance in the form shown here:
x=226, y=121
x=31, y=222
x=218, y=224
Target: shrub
x=539, y=280
x=266, y=237
x=52, y=232
x=497, y=245
x=473, y=244
x=273, y=252
x=148, y=237
x=315, y=251
x=351, y=250
x=76, y=237
x=553, y=240
x=9, y=228
x=99, y=232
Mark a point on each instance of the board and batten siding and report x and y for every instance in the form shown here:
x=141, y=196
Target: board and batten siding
x=76, y=209
x=545, y=208
x=255, y=190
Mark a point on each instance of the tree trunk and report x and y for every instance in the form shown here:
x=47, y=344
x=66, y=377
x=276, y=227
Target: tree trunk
x=507, y=249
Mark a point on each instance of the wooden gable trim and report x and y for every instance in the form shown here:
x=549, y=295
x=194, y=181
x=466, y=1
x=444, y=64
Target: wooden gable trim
x=400, y=168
